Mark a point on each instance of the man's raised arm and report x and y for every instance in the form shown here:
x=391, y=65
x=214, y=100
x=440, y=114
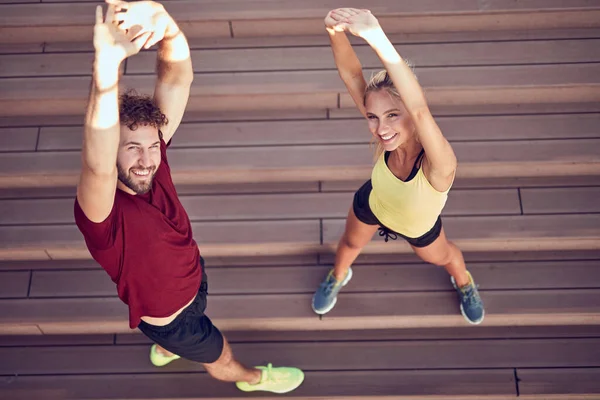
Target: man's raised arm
x=173, y=64
x=98, y=179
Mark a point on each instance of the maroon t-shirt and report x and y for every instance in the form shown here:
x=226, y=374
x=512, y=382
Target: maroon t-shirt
x=147, y=248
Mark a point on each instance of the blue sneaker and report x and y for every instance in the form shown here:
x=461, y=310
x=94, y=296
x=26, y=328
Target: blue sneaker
x=471, y=305
x=326, y=295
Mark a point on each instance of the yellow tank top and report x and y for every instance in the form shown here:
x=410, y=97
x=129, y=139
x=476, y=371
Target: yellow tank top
x=409, y=208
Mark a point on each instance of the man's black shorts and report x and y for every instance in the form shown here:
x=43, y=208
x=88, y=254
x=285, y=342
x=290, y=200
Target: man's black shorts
x=191, y=334
x=365, y=215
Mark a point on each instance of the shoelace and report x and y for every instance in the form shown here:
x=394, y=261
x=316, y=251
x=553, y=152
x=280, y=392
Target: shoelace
x=329, y=283
x=470, y=294
x=269, y=376
x=387, y=234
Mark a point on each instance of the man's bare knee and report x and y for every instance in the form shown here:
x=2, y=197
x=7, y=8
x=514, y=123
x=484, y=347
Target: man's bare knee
x=223, y=361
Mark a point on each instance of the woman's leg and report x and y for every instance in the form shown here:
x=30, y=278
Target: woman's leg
x=444, y=253
x=356, y=235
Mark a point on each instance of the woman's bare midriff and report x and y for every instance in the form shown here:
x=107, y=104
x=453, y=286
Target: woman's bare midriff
x=166, y=320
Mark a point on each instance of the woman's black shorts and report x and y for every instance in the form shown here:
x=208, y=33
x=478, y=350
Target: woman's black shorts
x=191, y=334
x=364, y=214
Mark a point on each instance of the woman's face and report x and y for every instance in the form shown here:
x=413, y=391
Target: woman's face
x=389, y=121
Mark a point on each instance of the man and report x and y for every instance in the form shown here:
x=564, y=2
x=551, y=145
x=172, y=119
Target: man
x=128, y=210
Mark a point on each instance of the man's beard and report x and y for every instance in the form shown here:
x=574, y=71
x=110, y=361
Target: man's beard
x=138, y=188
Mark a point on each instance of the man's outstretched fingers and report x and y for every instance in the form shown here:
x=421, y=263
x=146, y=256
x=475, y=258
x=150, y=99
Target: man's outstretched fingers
x=99, y=18
x=141, y=40
x=110, y=14
x=123, y=5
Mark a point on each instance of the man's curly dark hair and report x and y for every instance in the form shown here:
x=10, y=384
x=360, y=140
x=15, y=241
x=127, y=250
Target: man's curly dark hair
x=136, y=110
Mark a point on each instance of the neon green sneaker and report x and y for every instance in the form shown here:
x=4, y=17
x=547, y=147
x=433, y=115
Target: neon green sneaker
x=276, y=380
x=160, y=360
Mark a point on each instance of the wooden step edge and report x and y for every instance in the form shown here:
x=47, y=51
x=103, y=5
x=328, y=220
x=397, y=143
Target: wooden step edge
x=314, y=323
x=564, y=396
x=592, y=396
x=79, y=252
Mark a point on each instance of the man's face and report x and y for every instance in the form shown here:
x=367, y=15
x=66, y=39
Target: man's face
x=138, y=157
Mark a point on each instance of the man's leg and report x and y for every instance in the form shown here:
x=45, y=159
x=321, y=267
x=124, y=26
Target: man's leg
x=228, y=369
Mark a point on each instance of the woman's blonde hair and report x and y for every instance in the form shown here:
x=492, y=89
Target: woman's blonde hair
x=380, y=81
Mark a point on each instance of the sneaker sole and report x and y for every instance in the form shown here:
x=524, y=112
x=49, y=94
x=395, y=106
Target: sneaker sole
x=344, y=283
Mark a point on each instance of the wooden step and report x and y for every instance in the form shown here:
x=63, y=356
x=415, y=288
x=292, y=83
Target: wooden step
x=304, y=279
x=318, y=162
x=290, y=58
x=251, y=224
x=333, y=356
x=380, y=296
x=320, y=89
x=321, y=40
x=417, y=385
x=359, y=368
x=68, y=22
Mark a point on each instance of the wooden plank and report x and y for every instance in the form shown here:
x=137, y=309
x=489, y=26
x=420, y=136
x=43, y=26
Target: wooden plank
x=199, y=43
x=267, y=187
x=481, y=183
x=64, y=64
x=484, y=128
x=533, y=158
x=299, y=58
x=560, y=200
x=18, y=139
x=87, y=283
x=14, y=284
x=307, y=58
x=355, y=311
x=260, y=206
x=368, y=278
x=66, y=32
x=266, y=20
x=515, y=108
x=358, y=385
x=48, y=265
x=19, y=15
x=204, y=232
x=419, y=24
x=508, y=227
x=475, y=256
x=21, y=48
x=566, y=381
x=318, y=86
x=384, y=355
x=33, y=120
x=213, y=261
x=262, y=238
x=55, y=340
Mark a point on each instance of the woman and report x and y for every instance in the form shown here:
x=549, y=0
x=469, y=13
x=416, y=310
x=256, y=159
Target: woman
x=414, y=171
